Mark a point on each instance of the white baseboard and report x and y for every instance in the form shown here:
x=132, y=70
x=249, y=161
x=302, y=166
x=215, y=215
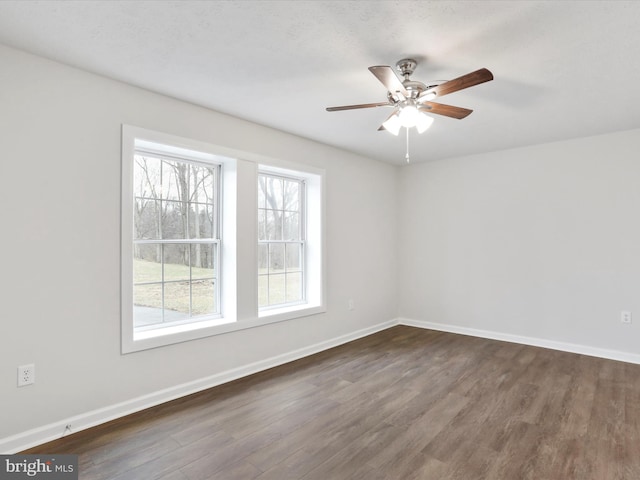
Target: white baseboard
x=536, y=342
x=53, y=431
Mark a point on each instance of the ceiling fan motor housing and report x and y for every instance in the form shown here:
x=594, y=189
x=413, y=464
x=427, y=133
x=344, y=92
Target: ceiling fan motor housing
x=414, y=88
x=406, y=66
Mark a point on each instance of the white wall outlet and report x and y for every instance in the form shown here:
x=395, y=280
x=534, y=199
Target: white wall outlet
x=625, y=316
x=26, y=375
x=351, y=305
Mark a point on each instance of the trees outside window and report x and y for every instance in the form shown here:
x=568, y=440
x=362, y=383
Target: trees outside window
x=176, y=241
x=186, y=270
x=281, y=240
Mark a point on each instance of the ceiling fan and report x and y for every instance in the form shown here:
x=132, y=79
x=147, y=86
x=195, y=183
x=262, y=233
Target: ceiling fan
x=411, y=100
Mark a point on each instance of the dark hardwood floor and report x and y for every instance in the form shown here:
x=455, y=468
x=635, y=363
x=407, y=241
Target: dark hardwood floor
x=402, y=404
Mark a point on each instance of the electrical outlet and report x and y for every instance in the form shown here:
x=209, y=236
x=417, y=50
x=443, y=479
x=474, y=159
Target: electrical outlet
x=350, y=304
x=625, y=316
x=26, y=375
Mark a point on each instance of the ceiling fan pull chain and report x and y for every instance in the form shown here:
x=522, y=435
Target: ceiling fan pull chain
x=407, y=155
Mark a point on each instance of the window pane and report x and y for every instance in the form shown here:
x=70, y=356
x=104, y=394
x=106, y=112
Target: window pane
x=274, y=193
x=146, y=177
x=262, y=225
x=276, y=289
x=294, y=256
x=174, y=219
x=175, y=180
x=146, y=264
x=291, y=195
x=203, y=260
x=276, y=258
x=294, y=287
x=146, y=224
x=210, y=221
x=274, y=225
x=209, y=184
x=147, y=304
x=150, y=252
x=176, y=301
x=203, y=296
x=263, y=290
x=201, y=184
x=263, y=259
x=176, y=262
x=201, y=220
x=291, y=226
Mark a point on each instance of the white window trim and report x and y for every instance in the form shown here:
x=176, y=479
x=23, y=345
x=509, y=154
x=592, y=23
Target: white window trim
x=132, y=341
x=314, y=268
x=239, y=308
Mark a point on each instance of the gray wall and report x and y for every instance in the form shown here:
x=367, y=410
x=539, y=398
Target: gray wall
x=60, y=286
x=541, y=243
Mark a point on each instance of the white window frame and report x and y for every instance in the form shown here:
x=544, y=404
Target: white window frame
x=301, y=241
x=238, y=264
x=134, y=339
x=314, y=241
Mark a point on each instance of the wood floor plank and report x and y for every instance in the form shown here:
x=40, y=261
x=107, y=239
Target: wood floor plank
x=420, y=431
x=404, y=403
x=295, y=466
x=175, y=475
x=412, y=465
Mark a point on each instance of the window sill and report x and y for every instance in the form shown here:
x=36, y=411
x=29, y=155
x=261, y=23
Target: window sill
x=160, y=337
x=182, y=333
x=288, y=312
x=179, y=329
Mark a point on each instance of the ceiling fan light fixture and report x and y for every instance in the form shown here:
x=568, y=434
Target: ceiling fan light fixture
x=424, y=122
x=409, y=116
x=392, y=124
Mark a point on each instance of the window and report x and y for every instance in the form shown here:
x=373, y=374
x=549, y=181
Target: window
x=176, y=243
x=190, y=266
x=172, y=244
x=281, y=240
x=290, y=263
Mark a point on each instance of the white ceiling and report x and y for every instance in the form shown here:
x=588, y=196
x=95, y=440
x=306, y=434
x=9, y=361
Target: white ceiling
x=562, y=69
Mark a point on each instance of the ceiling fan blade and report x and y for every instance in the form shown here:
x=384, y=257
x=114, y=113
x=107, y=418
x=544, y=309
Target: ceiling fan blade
x=389, y=79
x=446, y=110
x=460, y=83
x=362, y=105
